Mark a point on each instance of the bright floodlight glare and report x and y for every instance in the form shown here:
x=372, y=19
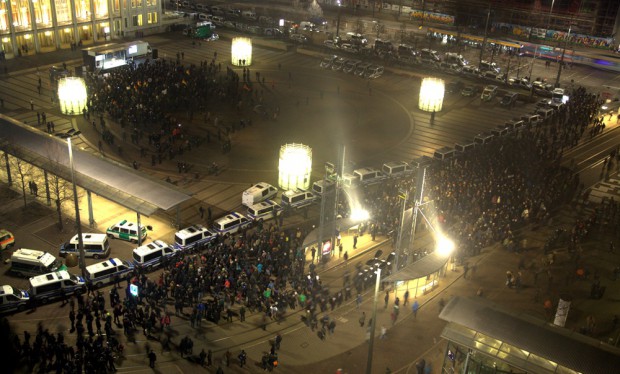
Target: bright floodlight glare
x=431, y=94
x=359, y=214
x=445, y=246
x=72, y=95
x=241, y=51
x=295, y=166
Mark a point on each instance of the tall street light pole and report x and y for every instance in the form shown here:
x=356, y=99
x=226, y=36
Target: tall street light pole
x=486, y=33
x=338, y=20
x=557, y=79
x=78, y=224
x=373, y=324
x=550, y=12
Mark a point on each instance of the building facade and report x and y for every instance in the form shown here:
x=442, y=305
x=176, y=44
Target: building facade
x=36, y=26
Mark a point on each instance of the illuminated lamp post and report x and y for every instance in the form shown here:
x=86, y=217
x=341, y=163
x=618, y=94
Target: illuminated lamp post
x=72, y=95
x=431, y=96
x=241, y=51
x=295, y=166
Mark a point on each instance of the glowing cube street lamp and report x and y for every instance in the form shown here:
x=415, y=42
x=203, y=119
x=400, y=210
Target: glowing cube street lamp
x=241, y=51
x=431, y=94
x=295, y=166
x=72, y=95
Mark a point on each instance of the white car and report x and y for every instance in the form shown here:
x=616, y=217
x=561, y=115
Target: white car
x=299, y=38
x=349, y=48
x=331, y=44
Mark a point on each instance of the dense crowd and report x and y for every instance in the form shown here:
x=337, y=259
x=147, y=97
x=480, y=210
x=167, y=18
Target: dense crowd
x=480, y=198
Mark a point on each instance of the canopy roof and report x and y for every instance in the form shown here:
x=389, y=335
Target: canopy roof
x=118, y=183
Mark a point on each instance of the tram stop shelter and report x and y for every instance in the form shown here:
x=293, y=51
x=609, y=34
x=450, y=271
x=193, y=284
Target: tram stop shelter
x=425, y=272
x=118, y=183
x=484, y=338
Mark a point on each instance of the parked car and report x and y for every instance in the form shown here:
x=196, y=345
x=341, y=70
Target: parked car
x=349, y=48
x=327, y=62
x=469, y=91
x=331, y=44
x=299, y=38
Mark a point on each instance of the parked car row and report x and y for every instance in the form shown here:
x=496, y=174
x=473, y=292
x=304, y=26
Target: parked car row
x=352, y=66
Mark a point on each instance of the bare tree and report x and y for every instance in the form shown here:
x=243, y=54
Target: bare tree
x=23, y=170
x=360, y=27
x=61, y=189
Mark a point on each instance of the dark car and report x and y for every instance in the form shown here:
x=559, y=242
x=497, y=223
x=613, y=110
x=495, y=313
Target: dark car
x=455, y=86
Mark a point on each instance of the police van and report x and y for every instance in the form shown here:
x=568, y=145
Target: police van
x=95, y=246
x=298, y=199
x=150, y=256
x=126, y=230
x=13, y=299
x=28, y=262
x=257, y=193
x=190, y=237
x=323, y=186
x=108, y=271
x=368, y=176
x=264, y=210
x=350, y=180
x=231, y=223
x=396, y=169
x=55, y=285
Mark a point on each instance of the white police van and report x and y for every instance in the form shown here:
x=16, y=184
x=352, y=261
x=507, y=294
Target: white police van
x=55, y=285
x=108, y=271
x=368, y=176
x=13, y=299
x=323, y=186
x=150, y=256
x=257, y=193
x=264, y=210
x=231, y=223
x=27, y=262
x=298, y=199
x=397, y=169
x=95, y=246
x=193, y=236
x=126, y=230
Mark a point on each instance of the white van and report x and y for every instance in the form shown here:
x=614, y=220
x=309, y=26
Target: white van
x=95, y=246
x=445, y=153
x=464, y=146
x=108, y=271
x=298, y=199
x=396, y=169
x=264, y=210
x=56, y=285
x=151, y=255
x=546, y=113
x=193, y=236
x=257, y=193
x=27, y=262
x=368, y=176
x=323, y=186
x=13, y=299
x=350, y=180
x=126, y=230
x=231, y=223
x=483, y=138
x=249, y=14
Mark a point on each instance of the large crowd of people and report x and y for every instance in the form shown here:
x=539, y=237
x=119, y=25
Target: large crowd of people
x=480, y=198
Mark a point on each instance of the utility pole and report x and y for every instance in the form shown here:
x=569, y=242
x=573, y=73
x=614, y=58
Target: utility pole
x=373, y=324
x=557, y=79
x=486, y=32
x=399, y=241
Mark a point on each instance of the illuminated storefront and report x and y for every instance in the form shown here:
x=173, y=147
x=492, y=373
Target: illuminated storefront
x=485, y=338
x=35, y=26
